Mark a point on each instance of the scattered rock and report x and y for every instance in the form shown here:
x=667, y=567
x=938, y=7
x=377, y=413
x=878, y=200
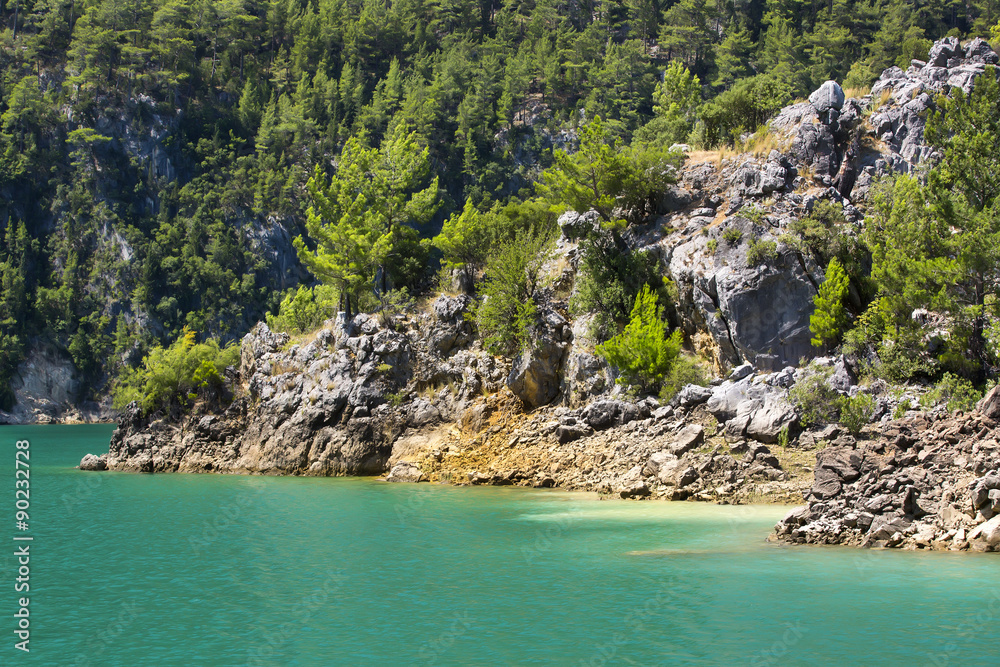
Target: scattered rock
x=405, y=472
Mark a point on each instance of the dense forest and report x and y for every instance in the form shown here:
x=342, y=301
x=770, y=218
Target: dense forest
x=157, y=156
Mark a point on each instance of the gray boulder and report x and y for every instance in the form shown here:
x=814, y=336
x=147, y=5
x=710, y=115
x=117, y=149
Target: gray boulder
x=692, y=394
x=92, y=462
x=536, y=375
x=405, y=472
x=828, y=96
x=989, y=406
x=979, y=51
x=775, y=416
x=986, y=536
x=687, y=439
x=944, y=50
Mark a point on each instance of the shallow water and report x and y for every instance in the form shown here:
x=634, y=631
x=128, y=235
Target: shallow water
x=225, y=570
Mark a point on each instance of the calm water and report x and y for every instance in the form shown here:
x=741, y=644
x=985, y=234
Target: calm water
x=220, y=570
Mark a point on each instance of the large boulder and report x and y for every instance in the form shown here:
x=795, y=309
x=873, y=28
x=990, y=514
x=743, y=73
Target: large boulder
x=774, y=416
x=92, y=462
x=828, y=96
x=687, y=439
x=536, y=374
x=986, y=536
x=405, y=472
x=989, y=406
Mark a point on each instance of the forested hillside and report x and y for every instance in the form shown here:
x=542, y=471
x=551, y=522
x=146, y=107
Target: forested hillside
x=155, y=155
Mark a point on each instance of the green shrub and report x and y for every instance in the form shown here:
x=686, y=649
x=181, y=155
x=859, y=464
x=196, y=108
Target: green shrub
x=955, y=392
x=177, y=374
x=754, y=214
x=507, y=309
x=856, y=412
x=744, y=107
x=761, y=252
x=686, y=369
x=643, y=352
x=608, y=280
x=732, y=236
x=304, y=309
x=816, y=401
x=820, y=231
x=712, y=246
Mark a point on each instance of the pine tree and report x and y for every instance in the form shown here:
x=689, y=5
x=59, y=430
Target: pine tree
x=643, y=353
x=829, y=319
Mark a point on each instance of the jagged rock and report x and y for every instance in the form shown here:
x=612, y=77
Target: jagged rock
x=405, y=472
x=687, y=477
x=756, y=182
x=980, y=490
x=422, y=413
x=842, y=462
x=740, y=372
x=586, y=375
x=773, y=417
x=828, y=96
x=989, y=405
x=92, y=462
x=687, y=439
x=576, y=225
x=692, y=394
x=726, y=399
x=451, y=308
x=979, y=51
x=944, y=50
x=604, y=414
x=986, y=536
x=535, y=376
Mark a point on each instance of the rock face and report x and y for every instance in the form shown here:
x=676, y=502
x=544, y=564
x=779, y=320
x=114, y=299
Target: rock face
x=758, y=313
x=45, y=391
x=900, y=122
x=319, y=408
x=536, y=375
x=925, y=481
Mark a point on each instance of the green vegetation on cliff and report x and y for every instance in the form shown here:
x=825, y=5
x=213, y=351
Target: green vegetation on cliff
x=156, y=155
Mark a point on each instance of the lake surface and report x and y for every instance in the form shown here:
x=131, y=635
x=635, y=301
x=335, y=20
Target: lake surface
x=131, y=569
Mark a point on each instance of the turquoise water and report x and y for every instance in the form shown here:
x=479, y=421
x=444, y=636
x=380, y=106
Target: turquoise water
x=221, y=570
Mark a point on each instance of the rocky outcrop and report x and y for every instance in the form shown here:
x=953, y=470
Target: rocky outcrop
x=332, y=405
x=614, y=447
x=928, y=480
x=536, y=374
x=754, y=312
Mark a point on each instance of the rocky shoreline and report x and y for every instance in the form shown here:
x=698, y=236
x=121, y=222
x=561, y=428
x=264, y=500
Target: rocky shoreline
x=927, y=480
x=415, y=396
x=924, y=481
